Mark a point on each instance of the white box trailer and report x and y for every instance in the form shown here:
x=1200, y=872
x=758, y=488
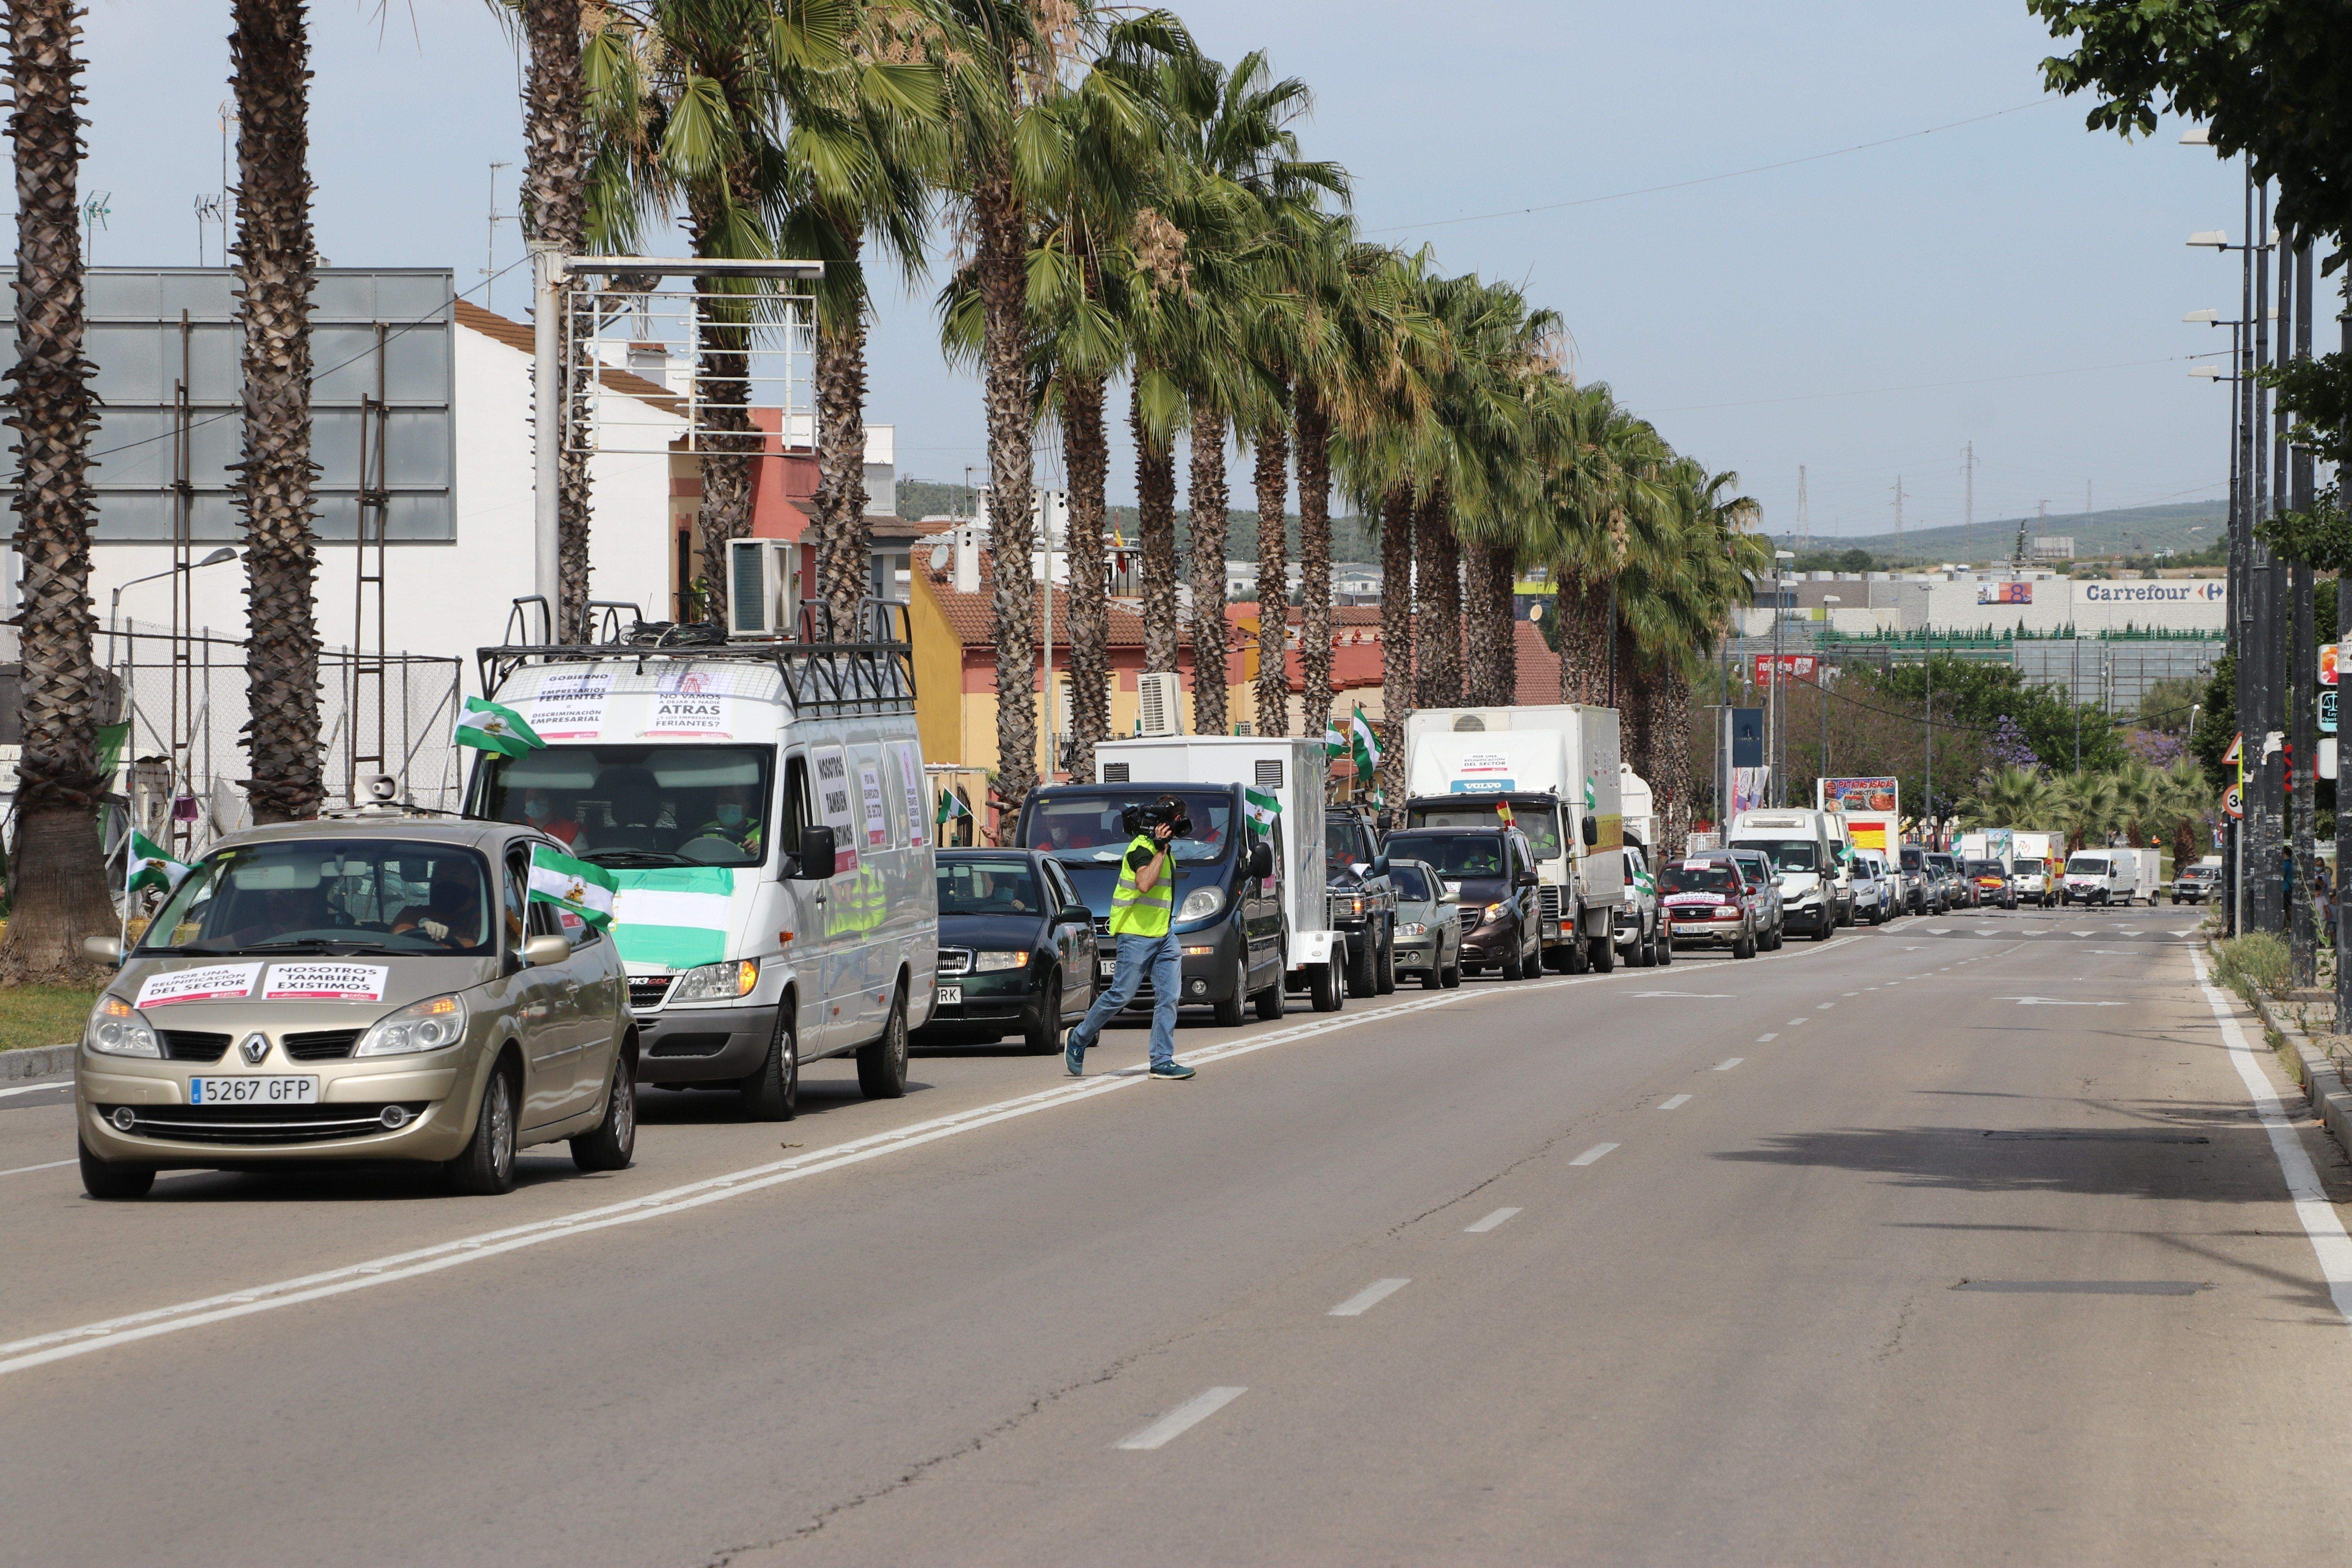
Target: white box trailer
x=1292, y=772
x=1547, y=761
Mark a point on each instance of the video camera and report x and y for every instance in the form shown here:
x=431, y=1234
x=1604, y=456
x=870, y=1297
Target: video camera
x=1167, y=809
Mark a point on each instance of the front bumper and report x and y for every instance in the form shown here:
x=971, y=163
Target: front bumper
x=1713, y=934
x=700, y=1044
x=1809, y=917
x=1001, y=999
x=171, y=1134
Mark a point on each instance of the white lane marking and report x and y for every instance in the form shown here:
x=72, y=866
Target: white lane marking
x=1184, y=1418
x=2329, y=1244
x=1854, y=993
x=1593, y=1153
x=1489, y=1223
x=1823, y=1006
x=23, y=1170
x=1767, y=1039
x=1674, y=1103
x=36, y=1088
x=1727, y=1063
x=39, y=1350
x=2054, y=1002
x=1370, y=1297
x=1794, y=1022
x=1693, y=995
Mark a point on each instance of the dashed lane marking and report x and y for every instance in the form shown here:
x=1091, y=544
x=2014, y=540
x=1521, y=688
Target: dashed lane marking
x=1181, y=1419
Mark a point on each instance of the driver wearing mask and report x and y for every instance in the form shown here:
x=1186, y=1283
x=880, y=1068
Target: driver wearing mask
x=731, y=820
x=538, y=810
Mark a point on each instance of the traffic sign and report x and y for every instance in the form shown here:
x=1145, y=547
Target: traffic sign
x=2231, y=801
x=2237, y=749
x=2327, y=711
x=2327, y=663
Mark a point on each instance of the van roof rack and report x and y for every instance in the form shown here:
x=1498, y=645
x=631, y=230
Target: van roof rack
x=821, y=676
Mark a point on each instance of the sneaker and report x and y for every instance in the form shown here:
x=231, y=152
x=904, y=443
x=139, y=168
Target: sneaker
x=1171, y=1072
x=1074, y=1056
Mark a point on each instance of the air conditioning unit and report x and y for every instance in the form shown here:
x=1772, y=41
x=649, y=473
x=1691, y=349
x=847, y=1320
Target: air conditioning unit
x=1160, y=698
x=763, y=588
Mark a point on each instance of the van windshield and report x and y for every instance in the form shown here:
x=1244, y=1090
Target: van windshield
x=1539, y=821
x=1086, y=829
x=1787, y=854
x=330, y=896
x=637, y=805
x=2087, y=866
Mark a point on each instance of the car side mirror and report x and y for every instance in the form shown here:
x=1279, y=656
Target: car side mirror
x=1591, y=830
x=1380, y=865
x=1261, y=864
x=1449, y=898
x=102, y=949
x=539, y=952
x=816, y=854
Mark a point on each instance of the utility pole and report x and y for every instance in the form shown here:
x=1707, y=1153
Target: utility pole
x=2089, y=506
x=2343, y=816
x=2303, y=672
x=1804, y=527
x=2266, y=797
x=1969, y=467
x=490, y=249
x=1898, y=506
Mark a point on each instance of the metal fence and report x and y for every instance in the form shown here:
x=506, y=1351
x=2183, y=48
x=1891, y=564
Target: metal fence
x=184, y=700
x=2110, y=673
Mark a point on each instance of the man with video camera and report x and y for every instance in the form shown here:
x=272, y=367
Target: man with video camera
x=1139, y=911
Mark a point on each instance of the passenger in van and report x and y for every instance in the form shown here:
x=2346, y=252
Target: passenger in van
x=731, y=818
x=538, y=810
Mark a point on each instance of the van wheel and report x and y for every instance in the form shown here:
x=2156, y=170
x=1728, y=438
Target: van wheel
x=612, y=1144
x=1270, y=1001
x=882, y=1066
x=1228, y=1010
x=1515, y=967
x=485, y=1167
x=773, y=1092
x=112, y=1181
x=1326, y=987
x=1044, y=1033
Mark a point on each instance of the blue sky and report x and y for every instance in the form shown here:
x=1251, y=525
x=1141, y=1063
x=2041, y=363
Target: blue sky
x=2003, y=282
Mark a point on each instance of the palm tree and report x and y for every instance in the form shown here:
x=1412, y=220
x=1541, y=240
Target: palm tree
x=2012, y=797
x=58, y=879
x=2085, y=805
x=276, y=260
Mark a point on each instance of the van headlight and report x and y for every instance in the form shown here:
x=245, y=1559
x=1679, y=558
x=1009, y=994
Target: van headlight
x=717, y=982
x=116, y=1028
x=431, y=1024
x=1201, y=903
x=981, y=962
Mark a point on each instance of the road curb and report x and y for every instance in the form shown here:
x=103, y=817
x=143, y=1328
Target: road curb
x=2321, y=1082
x=40, y=1061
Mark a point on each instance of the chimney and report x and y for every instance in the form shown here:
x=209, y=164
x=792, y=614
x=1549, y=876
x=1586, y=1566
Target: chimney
x=967, y=558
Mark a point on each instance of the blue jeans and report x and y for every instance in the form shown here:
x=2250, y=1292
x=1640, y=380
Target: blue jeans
x=1163, y=958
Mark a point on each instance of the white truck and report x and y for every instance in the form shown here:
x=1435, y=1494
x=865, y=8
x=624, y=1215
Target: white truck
x=1635, y=804
x=2110, y=877
x=2033, y=861
x=1557, y=770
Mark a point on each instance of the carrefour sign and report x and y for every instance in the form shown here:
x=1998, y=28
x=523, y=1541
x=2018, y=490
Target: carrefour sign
x=2153, y=593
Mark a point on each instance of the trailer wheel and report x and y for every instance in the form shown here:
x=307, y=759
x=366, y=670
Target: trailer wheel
x=1326, y=986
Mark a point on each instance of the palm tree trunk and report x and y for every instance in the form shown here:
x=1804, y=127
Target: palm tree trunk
x=1272, y=476
x=1002, y=254
x=1211, y=515
x=1086, y=449
x=841, y=530
x=1314, y=430
x=1638, y=694
x=1671, y=775
x=554, y=209
x=56, y=873
x=1155, y=500
x=1396, y=636
x=1437, y=594
x=1491, y=661
x=1582, y=605
x=276, y=259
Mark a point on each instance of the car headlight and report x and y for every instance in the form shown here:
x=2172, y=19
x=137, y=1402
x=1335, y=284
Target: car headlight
x=1495, y=912
x=981, y=962
x=1201, y=903
x=431, y=1024
x=116, y=1028
x=1413, y=929
x=717, y=982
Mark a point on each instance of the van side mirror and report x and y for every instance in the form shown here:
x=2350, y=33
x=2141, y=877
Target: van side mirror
x=1591, y=831
x=1261, y=865
x=816, y=854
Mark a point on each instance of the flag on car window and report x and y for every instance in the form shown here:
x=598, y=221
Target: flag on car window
x=585, y=890
x=146, y=865
x=492, y=728
x=1261, y=807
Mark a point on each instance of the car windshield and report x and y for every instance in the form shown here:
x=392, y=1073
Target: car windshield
x=1086, y=829
x=1410, y=883
x=1539, y=820
x=331, y=896
x=1984, y=869
x=1004, y=886
x=637, y=805
x=1685, y=877
x=1788, y=854
x=1915, y=861
x=1454, y=854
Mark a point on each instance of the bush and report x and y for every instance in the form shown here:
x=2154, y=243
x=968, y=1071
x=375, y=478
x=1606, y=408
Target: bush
x=2257, y=960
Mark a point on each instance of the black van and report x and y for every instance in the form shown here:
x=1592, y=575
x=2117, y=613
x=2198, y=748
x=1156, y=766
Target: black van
x=1228, y=908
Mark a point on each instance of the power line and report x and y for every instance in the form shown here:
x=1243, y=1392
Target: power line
x=1711, y=179
x=1927, y=385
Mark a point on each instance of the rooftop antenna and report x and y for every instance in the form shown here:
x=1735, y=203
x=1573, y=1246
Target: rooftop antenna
x=209, y=210
x=490, y=250
x=1804, y=527
x=94, y=209
x=1898, y=506
x=1968, y=467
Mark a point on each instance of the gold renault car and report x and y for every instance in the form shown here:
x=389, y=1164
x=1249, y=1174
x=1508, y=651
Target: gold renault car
x=373, y=986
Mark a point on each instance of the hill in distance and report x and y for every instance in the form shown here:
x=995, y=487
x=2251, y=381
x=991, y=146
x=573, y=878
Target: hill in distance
x=2131, y=531
x=1353, y=539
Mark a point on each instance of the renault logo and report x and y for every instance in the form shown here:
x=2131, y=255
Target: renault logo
x=254, y=1047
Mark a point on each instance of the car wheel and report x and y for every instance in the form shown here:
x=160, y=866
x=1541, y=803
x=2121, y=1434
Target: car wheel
x=1645, y=954
x=1228, y=1009
x=773, y=1092
x=1044, y=1033
x=882, y=1066
x=1433, y=978
x=112, y=1180
x=1387, y=963
x=612, y=1144
x=1665, y=941
x=1363, y=968
x=486, y=1166
x=1326, y=991
x=1604, y=956
x=1453, y=977
x=1743, y=946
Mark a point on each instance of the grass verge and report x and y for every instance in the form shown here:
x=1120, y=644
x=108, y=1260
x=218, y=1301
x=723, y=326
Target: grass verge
x=43, y=1014
x=2256, y=961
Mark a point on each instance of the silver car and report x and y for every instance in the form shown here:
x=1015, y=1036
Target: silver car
x=375, y=986
x=1429, y=925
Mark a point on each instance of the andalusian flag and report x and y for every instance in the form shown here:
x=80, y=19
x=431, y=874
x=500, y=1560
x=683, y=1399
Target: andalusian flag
x=1591, y=800
x=1335, y=741
x=1260, y=808
x=949, y=809
x=1366, y=744
x=148, y=867
x=490, y=728
x=586, y=890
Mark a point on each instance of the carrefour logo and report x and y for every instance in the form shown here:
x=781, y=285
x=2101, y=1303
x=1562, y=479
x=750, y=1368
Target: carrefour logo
x=2153, y=593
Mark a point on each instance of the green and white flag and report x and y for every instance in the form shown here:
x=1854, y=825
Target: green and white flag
x=1367, y=746
x=949, y=809
x=1335, y=741
x=586, y=890
x=673, y=917
x=1591, y=800
x=147, y=865
x=491, y=727
x=1260, y=808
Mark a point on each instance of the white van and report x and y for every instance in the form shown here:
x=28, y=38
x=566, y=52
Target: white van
x=761, y=806
x=2109, y=877
x=1805, y=856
